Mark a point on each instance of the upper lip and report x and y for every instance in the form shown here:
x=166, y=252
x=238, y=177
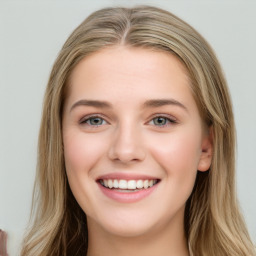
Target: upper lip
x=126, y=176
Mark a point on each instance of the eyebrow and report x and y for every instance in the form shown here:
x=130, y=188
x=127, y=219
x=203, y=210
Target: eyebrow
x=91, y=103
x=164, y=102
x=153, y=103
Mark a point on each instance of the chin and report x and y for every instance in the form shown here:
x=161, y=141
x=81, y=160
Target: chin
x=128, y=229
x=128, y=223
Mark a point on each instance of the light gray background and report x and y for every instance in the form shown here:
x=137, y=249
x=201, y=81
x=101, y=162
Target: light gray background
x=32, y=33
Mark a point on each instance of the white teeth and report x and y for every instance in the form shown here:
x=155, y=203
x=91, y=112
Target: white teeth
x=110, y=183
x=128, y=184
x=123, y=184
x=115, y=184
x=145, y=183
x=140, y=184
x=131, y=184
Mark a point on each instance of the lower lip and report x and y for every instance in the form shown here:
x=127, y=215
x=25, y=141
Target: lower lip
x=127, y=197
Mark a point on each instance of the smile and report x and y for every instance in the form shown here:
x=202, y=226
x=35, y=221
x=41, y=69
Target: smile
x=127, y=184
x=127, y=190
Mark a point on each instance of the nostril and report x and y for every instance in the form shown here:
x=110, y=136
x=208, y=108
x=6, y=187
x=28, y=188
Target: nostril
x=127, y=154
x=127, y=145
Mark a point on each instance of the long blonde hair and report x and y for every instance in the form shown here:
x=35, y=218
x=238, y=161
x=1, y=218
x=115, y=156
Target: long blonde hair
x=213, y=223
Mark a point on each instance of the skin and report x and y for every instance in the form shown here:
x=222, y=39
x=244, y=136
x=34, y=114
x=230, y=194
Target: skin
x=129, y=139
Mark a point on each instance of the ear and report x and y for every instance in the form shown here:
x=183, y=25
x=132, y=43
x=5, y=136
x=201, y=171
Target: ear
x=206, y=151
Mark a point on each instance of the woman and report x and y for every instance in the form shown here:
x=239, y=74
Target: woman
x=136, y=147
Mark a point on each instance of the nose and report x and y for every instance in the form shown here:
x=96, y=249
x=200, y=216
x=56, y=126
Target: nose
x=127, y=145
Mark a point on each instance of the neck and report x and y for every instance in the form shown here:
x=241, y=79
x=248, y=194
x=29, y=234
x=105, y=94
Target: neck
x=165, y=241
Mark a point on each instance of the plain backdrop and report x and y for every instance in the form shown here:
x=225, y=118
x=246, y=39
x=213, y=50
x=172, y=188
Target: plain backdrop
x=31, y=35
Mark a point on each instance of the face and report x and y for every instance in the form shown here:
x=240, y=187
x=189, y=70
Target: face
x=133, y=140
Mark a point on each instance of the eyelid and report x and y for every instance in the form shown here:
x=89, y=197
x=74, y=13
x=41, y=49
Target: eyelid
x=85, y=118
x=172, y=120
x=168, y=116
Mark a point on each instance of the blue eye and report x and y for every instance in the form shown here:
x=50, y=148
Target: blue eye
x=161, y=121
x=94, y=121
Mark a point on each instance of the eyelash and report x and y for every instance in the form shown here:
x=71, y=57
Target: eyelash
x=168, y=121
x=89, y=118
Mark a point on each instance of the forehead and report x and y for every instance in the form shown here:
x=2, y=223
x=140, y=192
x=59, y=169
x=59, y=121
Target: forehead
x=118, y=68
x=128, y=78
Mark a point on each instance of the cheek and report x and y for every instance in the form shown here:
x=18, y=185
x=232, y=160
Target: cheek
x=179, y=157
x=179, y=150
x=81, y=152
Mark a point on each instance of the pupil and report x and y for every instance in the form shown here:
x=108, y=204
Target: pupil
x=160, y=121
x=96, y=121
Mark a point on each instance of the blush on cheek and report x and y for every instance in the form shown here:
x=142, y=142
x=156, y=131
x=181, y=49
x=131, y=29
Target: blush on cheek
x=82, y=152
x=177, y=150
x=179, y=158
